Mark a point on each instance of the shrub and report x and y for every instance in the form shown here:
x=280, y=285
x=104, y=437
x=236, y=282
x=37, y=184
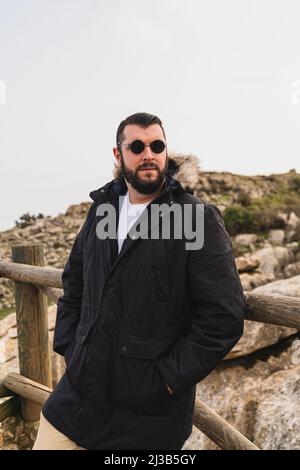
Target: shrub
x=295, y=183
x=244, y=198
x=255, y=218
x=237, y=219
x=26, y=219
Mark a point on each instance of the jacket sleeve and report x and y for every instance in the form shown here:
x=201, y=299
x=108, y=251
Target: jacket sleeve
x=69, y=304
x=218, y=308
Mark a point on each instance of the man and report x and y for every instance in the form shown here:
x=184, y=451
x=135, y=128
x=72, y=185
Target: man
x=142, y=320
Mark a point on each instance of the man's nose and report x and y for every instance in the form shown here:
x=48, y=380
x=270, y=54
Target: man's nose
x=147, y=154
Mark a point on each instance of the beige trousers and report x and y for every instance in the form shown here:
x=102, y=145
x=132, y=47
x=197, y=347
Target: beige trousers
x=49, y=438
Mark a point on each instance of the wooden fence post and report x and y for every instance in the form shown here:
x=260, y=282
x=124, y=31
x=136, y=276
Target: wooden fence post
x=32, y=327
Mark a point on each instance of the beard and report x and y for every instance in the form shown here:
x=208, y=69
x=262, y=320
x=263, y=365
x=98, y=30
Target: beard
x=142, y=185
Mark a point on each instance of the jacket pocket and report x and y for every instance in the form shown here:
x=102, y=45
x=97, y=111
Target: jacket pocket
x=136, y=383
x=143, y=348
x=75, y=357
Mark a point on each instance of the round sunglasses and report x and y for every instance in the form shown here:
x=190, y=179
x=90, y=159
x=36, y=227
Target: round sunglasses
x=137, y=146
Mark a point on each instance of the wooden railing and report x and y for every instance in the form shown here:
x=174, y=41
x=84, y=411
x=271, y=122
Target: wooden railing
x=32, y=387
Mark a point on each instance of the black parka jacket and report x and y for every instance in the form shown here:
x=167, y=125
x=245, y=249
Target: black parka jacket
x=128, y=324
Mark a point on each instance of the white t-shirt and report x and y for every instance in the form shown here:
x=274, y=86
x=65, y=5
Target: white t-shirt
x=128, y=215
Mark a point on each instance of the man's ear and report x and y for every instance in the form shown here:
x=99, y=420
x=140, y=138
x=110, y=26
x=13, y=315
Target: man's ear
x=117, y=155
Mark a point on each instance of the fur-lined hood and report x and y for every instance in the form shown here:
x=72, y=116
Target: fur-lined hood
x=183, y=168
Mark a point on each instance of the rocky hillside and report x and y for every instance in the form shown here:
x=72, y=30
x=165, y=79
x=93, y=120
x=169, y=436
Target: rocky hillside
x=261, y=214
x=257, y=386
x=57, y=235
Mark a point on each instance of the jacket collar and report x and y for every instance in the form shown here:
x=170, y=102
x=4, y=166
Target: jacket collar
x=117, y=187
x=182, y=175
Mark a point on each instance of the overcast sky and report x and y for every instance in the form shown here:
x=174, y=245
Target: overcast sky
x=224, y=77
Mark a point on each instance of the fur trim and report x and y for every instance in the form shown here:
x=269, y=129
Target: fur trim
x=183, y=168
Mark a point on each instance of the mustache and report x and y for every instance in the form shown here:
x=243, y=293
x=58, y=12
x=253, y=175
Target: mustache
x=148, y=167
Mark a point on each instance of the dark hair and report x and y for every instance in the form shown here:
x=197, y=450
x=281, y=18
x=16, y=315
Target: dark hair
x=142, y=120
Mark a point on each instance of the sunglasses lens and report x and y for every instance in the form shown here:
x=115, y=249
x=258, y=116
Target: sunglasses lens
x=137, y=146
x=157, y=146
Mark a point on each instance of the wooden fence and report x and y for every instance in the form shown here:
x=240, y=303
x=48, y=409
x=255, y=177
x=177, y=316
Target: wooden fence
x=28, y=390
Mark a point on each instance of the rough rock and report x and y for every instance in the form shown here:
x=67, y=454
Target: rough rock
x=251, y=280
x=258, y=336
x=273, y=259
x=242, y=392
x=17, y=434
x=289, y=287
x=292, y=269
x=246, y=263
x=246, y=239
x=276, y=237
